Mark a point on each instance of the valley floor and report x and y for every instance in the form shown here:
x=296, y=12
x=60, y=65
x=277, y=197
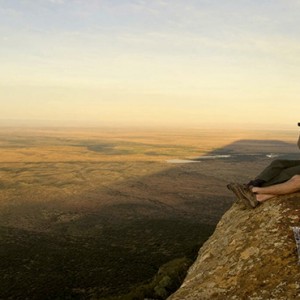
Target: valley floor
x=93, y=213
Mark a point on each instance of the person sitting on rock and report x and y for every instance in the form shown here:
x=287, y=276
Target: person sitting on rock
x=279, y=178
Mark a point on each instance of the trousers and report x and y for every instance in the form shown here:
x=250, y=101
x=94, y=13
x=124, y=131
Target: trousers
x=279, y=171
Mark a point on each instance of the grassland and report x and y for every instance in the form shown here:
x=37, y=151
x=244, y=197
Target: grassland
x=94, y=214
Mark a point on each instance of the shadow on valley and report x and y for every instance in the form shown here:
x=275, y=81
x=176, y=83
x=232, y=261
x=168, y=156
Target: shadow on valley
x=132, y=240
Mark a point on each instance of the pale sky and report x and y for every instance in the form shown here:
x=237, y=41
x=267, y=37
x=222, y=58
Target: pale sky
x=187, y=62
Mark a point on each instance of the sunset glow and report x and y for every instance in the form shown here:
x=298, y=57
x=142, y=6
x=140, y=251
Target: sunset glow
x=187, y=63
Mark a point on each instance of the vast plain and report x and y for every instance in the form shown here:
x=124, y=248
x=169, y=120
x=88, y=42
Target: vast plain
x=95, y=213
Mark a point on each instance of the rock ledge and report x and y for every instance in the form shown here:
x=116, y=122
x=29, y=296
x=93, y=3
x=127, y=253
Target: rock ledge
x=251, y=255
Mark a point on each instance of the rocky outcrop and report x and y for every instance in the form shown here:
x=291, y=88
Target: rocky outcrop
x=251, y=255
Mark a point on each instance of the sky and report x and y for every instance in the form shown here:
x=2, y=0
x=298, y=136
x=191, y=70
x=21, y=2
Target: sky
x=155, y=62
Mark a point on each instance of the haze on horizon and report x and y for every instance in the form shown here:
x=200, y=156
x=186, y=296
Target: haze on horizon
x=150, y=62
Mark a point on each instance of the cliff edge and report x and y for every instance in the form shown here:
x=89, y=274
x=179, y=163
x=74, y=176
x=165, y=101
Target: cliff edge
x=251, y=255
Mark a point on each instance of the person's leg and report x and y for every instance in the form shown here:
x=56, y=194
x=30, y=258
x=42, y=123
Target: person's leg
x=274, y=173
x=284, y=176
x=288, y=187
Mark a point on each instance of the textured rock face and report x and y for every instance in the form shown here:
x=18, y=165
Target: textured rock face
x=251, y=255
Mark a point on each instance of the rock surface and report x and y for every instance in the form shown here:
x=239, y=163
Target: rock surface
x=251, y=255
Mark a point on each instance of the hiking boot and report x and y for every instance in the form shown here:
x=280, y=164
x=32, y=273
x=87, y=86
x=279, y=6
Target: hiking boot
x=243, y=194
x=247, y=193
